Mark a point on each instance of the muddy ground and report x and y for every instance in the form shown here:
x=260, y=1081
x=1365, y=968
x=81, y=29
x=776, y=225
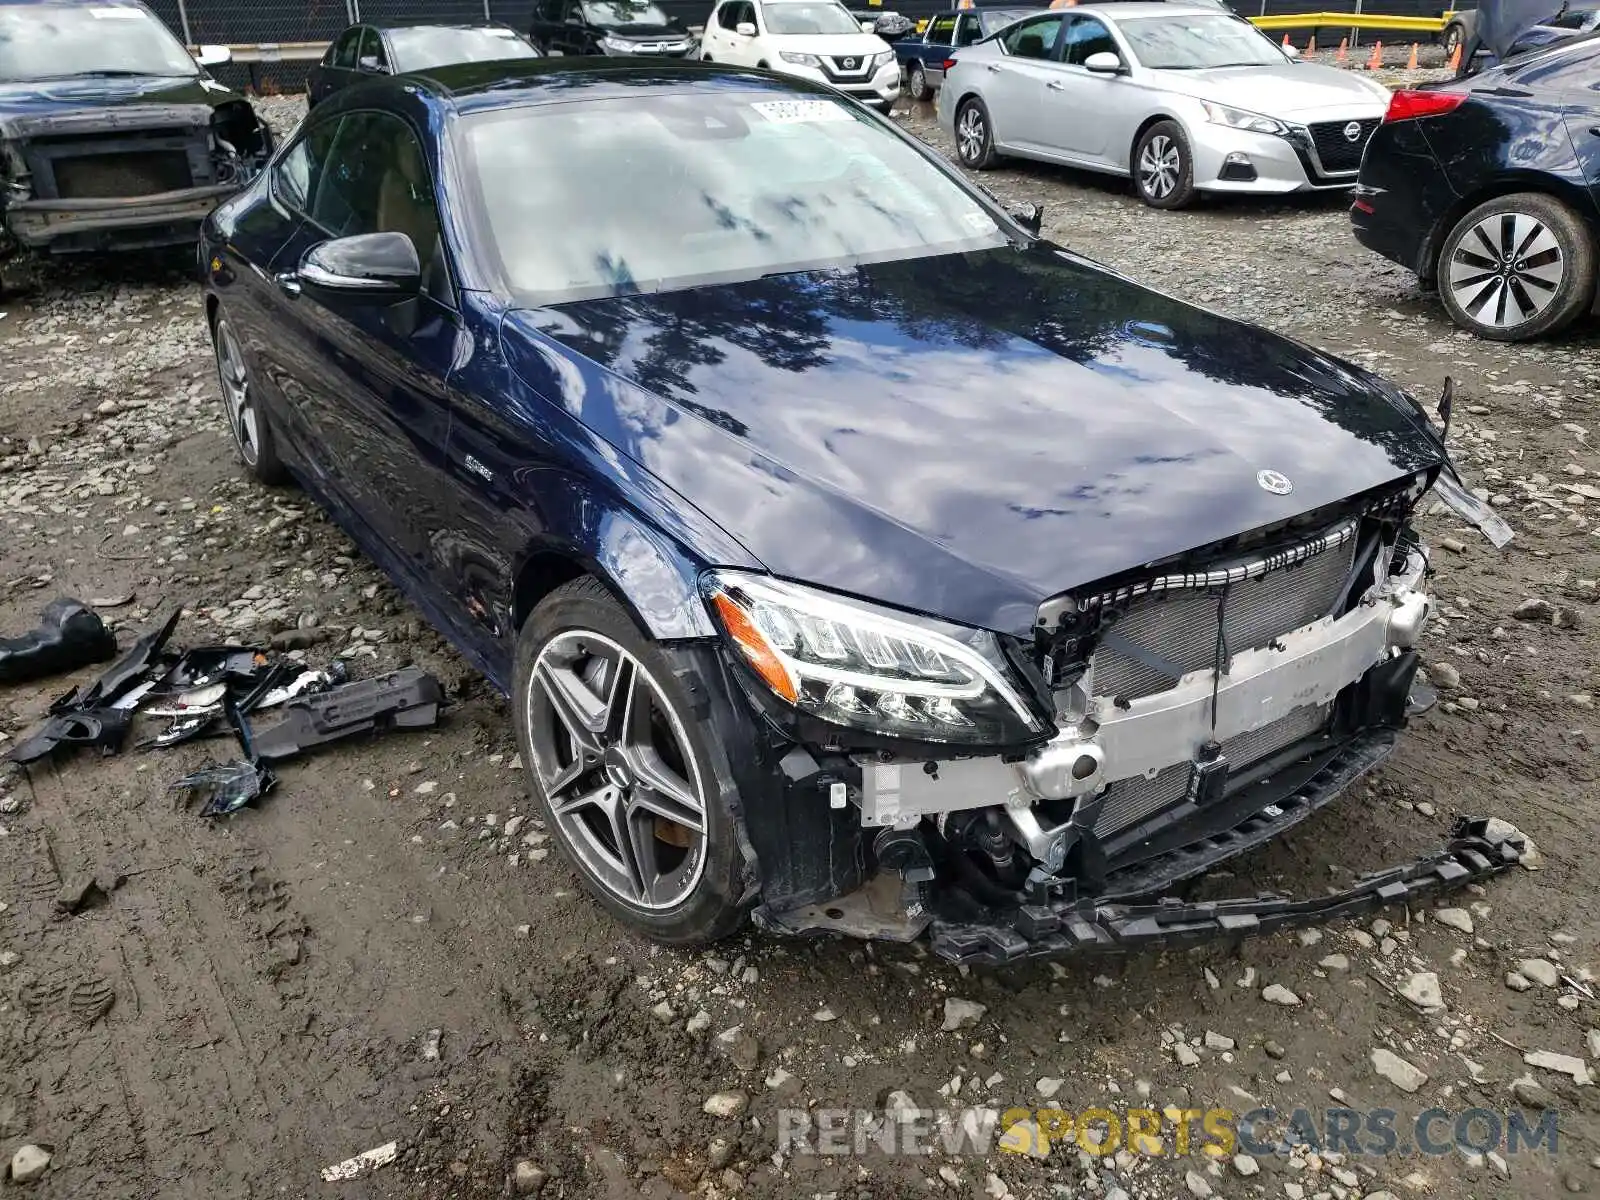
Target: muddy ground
x=385, y=951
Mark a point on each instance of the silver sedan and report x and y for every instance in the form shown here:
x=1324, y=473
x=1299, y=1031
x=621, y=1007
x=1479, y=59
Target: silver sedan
x=1181, y=97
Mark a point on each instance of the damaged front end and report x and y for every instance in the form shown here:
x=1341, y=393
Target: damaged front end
x=122, y=178
x=1011, y=798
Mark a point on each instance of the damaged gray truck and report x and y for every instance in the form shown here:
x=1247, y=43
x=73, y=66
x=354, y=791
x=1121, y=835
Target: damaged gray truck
x=112, y=136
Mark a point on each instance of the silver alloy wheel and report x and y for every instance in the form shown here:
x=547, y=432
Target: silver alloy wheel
x=970, y=134
x=617, y=770
x=1160, y=164
x=918, y=82
x=236, y=399
x=1506, y=270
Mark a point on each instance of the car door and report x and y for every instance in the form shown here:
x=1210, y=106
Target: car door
x=1014, y=79
x=546, y=24
x=941, y=36
x=337, y=68
x=372, y=59
x=739, y=49
x=1080, y=105
x=378, y=402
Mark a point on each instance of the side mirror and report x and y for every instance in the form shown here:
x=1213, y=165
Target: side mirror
x=1029, y=216
x=368, y=268
x=1103, y=63
x=370, y=64
x=1290, y=52
x=213, y=56
x=869, y=26
x=745, y=29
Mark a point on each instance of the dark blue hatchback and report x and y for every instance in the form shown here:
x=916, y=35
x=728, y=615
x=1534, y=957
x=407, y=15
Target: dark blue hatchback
x=852, y=555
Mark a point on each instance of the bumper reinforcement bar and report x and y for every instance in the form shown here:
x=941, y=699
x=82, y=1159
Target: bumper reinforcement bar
x=1478, y=848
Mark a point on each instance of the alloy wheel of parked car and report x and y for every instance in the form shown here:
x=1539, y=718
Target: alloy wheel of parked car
x=1452, y=39
x=917, y=82
x=1517, y=267
x=623, y=768
x=974, y=142
x=252, y=438
x=1163, y=169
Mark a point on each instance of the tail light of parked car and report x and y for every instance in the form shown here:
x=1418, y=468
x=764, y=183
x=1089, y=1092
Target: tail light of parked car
x=948, y=63
x=1409, y=104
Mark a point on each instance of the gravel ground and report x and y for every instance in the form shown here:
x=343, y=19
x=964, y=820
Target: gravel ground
x=385, y=951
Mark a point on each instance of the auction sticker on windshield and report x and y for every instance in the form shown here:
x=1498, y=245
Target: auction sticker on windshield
x=797, y=112
x=116, y=14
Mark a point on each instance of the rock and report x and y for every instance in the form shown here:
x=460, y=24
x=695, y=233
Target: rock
x=664, y=1013
x=1218, y=1041
x=1567, y=618
x=294, y=639
x=1197, y=1185
x=1422, y=989
x=742, y=1048
x=1541, y=970
x=719, y=1152
x=1186, y=1055
x=1276, y=993
x=430, y=1045
x=780, y=1080
x=1517, y=982
x=1048, y=1085
x=1444, y=675
x=527, y=1178
x=1309, y=937
x=901, y=1106
x=1456, y=918
x=698, y=1023
x=961, y=1014
x=726, y=1104
x=1562, y=1064
x=514, y=824
x=1592, y=1040
x=1273, y=1049
x=1534, y=609
x=1246, y=1165
x=1530, y=1093
x=1335, y=962
x=1397, y=1070
x=28, y=1163
x=824, y=1015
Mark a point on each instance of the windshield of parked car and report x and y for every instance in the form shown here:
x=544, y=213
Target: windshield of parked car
x=59, y=41
x=1193, y=41
x=420, y=49
x=805, y=16
x=741, y=185
x=993, y=20
x=623, y=12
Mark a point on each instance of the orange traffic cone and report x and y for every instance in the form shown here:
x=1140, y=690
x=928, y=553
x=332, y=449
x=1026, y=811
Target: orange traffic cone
x=1311, y=47
x=1286, y=41
x=1376, y=60
x=1455, y=58
x=1343, y=54
x=1411, y=63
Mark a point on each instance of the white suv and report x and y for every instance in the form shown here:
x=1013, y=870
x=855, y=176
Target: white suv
x=814, y=39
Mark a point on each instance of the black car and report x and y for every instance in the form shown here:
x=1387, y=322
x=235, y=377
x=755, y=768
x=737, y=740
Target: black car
x=112, y=137
x=364, y=51
x=1489, y=187
x=852, y=556
x=626, y=28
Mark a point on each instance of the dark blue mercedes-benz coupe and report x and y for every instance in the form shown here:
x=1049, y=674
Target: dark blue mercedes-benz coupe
x=852, y=555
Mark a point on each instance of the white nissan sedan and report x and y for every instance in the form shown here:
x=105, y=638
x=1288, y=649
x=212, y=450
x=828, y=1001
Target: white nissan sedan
x=1183, y=98
x=815, y=39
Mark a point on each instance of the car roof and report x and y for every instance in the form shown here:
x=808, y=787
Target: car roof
x=76, y=4
x=408, y=26
x=513, y=83
x=1144, y=8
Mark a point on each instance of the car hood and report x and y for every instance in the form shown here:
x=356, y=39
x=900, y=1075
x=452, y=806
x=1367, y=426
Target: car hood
x=862, y=45
x=1293, y=90
x=23, y=104
x=966, y=435
x=646, y=33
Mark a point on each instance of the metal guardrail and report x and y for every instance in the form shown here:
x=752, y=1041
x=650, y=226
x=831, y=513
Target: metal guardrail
x=1346, y=20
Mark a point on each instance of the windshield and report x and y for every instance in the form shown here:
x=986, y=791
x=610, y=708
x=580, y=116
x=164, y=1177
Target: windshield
x=992, y=20
x=741, y=185
x=805, y=16
x=1197, y=40
x=623, y=12
x=58, y=41
x=420, y=49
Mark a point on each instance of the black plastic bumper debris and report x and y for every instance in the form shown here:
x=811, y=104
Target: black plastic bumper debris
x=407, y=699
x=70, y=635
x=1477, y=850
x=102, y=727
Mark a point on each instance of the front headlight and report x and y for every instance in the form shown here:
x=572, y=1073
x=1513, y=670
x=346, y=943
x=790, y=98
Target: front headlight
x=858, y=665
x=880, y=61
x=800, y=60
x=616, y=44
x=1238, y=118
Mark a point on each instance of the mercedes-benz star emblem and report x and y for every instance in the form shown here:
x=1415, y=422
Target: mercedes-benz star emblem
x=1352, y=131
x=1275, y=482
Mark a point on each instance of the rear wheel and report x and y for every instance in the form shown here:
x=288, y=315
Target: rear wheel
x=247, y=421
x=1517, y=267
x=974, y=137
x=917, y=82
x=1163, y=168
x=1452, y=39
x=625, y=768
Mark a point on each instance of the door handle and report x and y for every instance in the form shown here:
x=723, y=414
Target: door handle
x=288, y=283
x=992, y=66
x=1055, y=85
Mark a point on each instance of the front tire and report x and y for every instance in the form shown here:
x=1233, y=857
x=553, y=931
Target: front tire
x=241, y=404
x=975, y=136
x=917, y=82
x=1163, y=166
x=1517, y=267
x=1452, y=39
x=627, y=768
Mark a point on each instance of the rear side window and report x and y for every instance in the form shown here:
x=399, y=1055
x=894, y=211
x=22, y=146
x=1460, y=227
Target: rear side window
x=1032, y=39
x=345, y=49
x=1570, y=69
